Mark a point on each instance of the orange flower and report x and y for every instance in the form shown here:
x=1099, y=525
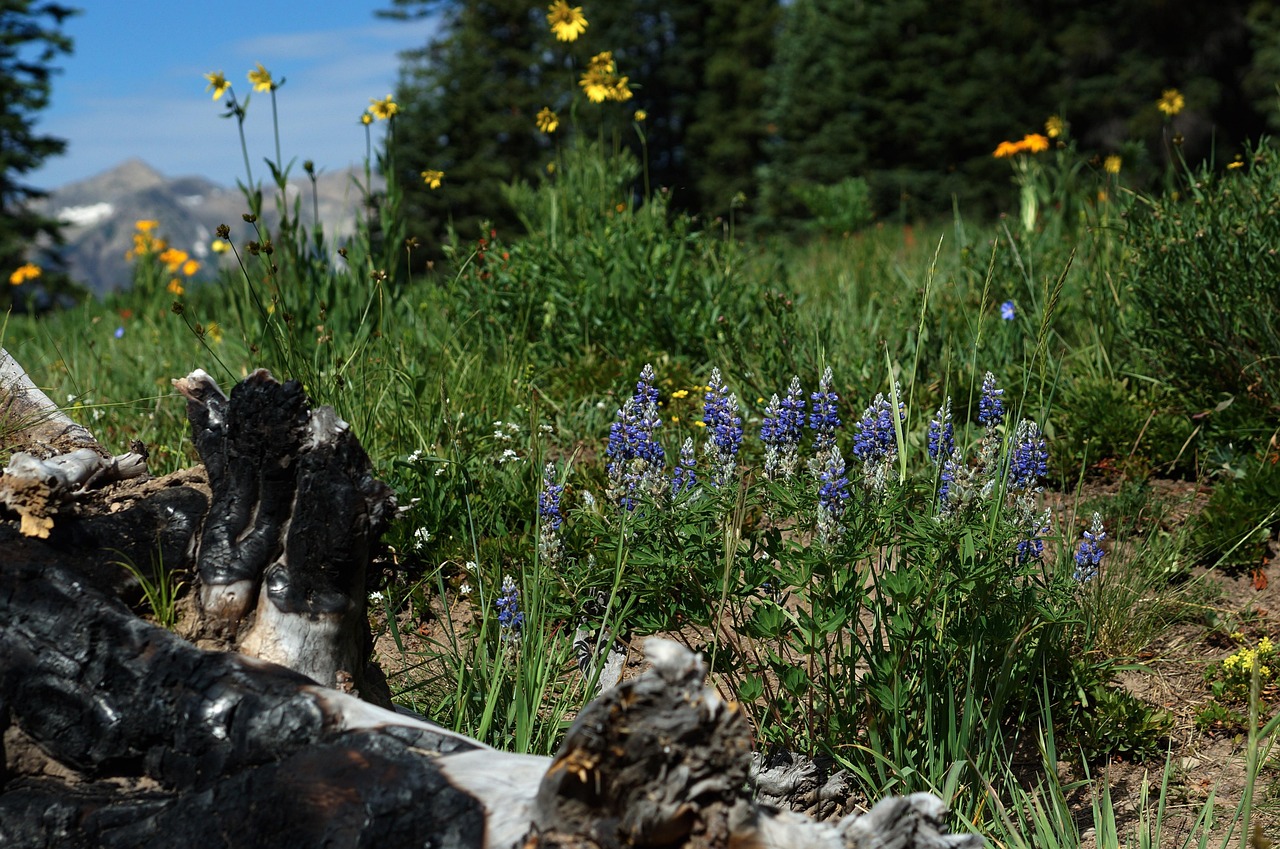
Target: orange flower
x=1034, y=143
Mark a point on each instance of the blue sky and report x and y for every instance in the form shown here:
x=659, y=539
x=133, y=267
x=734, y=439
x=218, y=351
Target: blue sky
x=135, y=87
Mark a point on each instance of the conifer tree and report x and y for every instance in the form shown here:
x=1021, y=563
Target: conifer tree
x=30, y=42
x=468, y=102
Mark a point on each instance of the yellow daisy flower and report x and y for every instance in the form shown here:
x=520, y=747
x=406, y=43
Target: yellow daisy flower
x=190, y=267
x=1034, y=143
x=1112, y=164
x=547, y=120
x=641, y=115
x=26, y=272
x=218, y=83
x=175, y=287
x=1171, y=102
x=1054, y=126
x=566, y=22
x=432, y=178
x=261, y=79
x=383, y=109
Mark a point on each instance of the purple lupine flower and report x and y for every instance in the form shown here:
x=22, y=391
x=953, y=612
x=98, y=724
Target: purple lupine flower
x=1089, y=552
x=636, y=460
x=1008, y=311
x=1028, y=457
x=875, y=442
x=946, y=483
x=1032, y=547
x=824, y=419
x=990, y=406
x=942, y=434
x=510, y=617
x=720, y=415
x=833, y=496
x=683, y=477
x=550, y=545
x=781, y=432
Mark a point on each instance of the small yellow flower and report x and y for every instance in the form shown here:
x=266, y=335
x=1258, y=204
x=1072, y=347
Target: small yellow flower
x=261, y=79
x=220, y=246
x=566, y=22
x=680, y=393
x=1054, y=126
x=175, y=287
x=602, y=63
x=1006, y=149
x=432, y=178
x=146, y=225
x=26, y=272
x=217, y=83
x=699, y=423
x=213, y=331
x=173, y=259
x=641, y=115
x=1112, y=164
x=1171, y=102
x=1237, y=163
x=551, y=168
x=366, y=118
x=383, y=109
x=190, y=267
x=620, y=92
x=1034, y=143
x=547, y=120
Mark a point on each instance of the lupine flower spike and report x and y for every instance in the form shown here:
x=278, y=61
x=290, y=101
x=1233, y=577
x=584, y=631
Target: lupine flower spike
x=875, y=442
x=510, y=617
x=824, y=421
x=724, y=425
x=550, y=544
x=942, y=434
x=990, y=405
x=636, y=460
x=781, y=432
x=833, y=497
x=1089, y=552
x=684, y=478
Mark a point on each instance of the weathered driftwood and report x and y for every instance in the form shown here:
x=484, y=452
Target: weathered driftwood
x=60, y=460
x=121, y=734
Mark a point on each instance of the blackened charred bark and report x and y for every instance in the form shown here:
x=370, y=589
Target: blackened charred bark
x=295, y=516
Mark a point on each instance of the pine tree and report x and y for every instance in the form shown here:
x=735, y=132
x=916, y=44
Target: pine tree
x=468, y=102
x=30, y=41
x=727, y=128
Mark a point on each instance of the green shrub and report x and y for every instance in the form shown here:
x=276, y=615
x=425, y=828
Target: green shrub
x=1202, y=284
x=844, y=207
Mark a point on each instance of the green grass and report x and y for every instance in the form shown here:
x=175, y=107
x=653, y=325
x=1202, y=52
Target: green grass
x=918, y=649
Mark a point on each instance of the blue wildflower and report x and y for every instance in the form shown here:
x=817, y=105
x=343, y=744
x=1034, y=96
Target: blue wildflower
x=636, y=459
x=781, y=432
x=875, y=442
x=1028, y=457
x=683, y=477
x=510, y=617
x=990, y=406
x=1089, y=553
x=942, y=434
x=1032, y=546
x=946, y=482
x=1007, y=311
x=550, y=545
x=720, y=415
x=119, y=334
x=824, y=420
x=833, y=496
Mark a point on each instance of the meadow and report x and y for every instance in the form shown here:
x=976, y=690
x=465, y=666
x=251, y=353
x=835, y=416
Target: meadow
x=930, y=497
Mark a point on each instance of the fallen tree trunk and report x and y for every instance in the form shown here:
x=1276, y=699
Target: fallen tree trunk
x=118, y=733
